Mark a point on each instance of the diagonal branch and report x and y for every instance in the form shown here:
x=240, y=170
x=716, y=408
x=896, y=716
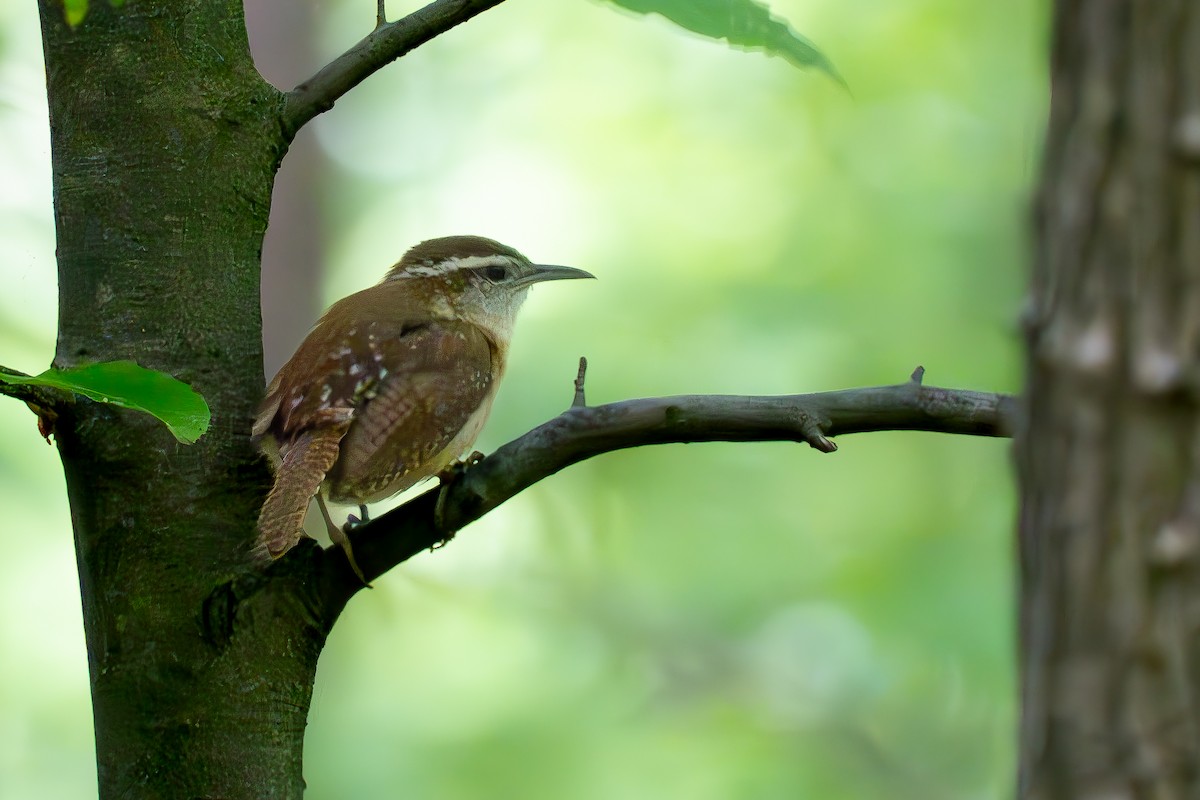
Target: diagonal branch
x=583, y=432
x=388, y=42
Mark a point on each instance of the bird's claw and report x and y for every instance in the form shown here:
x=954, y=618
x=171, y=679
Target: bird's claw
x=353, y=522
x=339, y=535
x=460, y=466
x=446, y=477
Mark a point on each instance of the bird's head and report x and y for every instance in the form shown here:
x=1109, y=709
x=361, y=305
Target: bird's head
x=474, y=278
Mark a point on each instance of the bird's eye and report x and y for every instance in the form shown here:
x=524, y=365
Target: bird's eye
x=495, y=274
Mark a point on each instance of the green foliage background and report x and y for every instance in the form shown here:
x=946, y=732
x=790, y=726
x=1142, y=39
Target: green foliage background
x=708, y=621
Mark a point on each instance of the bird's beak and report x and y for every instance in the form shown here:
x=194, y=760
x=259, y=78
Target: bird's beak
x=550, y=272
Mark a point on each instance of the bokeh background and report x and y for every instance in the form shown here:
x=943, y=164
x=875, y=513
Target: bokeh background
x=704, y=621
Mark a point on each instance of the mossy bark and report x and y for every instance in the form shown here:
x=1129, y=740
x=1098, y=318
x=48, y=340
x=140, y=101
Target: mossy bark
x=165, y=144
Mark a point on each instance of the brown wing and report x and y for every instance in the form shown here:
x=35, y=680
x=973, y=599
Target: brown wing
x=334, y=369
x=434, y=395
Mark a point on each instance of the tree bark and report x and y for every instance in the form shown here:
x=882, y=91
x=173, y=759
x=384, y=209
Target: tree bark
x=165, y=141
x=1110, y=458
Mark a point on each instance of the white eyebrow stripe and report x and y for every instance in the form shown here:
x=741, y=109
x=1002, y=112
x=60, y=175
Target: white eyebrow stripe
x=427, y=269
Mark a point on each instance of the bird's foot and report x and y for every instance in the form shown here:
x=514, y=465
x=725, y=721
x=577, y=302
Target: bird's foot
x=338, y=535
x=343, y=541
x=353, y=522
x=446, y=477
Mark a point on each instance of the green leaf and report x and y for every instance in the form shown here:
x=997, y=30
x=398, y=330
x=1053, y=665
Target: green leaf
x=742, y=23
x=125, y=384
x=75, y=11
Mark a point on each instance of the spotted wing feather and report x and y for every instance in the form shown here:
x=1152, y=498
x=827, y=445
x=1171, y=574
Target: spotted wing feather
x=331, y=373
x=420, y=415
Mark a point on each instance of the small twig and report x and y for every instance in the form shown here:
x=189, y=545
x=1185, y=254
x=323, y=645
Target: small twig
x=580, y=401
x=38, y=397
x=918, y=375
x=44, y=401
x=16, y=373
x=388, y=42
x=381, y=14
x=815, y=438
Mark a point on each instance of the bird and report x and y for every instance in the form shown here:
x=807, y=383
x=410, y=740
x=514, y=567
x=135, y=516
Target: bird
x=392, y=385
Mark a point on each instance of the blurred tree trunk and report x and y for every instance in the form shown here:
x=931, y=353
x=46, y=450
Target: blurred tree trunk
x=281, y=36
x=1110, y=457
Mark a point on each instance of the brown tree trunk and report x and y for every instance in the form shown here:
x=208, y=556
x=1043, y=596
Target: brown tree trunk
x=1110, y=457
x=165, y=142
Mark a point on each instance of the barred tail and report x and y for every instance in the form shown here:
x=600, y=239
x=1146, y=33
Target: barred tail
x=304, y=466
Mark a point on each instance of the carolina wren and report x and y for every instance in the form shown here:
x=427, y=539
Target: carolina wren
x=393, y=384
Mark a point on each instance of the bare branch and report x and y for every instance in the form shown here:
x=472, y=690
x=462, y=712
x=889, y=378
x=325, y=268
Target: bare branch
x=388, y=42
x=582, y=432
